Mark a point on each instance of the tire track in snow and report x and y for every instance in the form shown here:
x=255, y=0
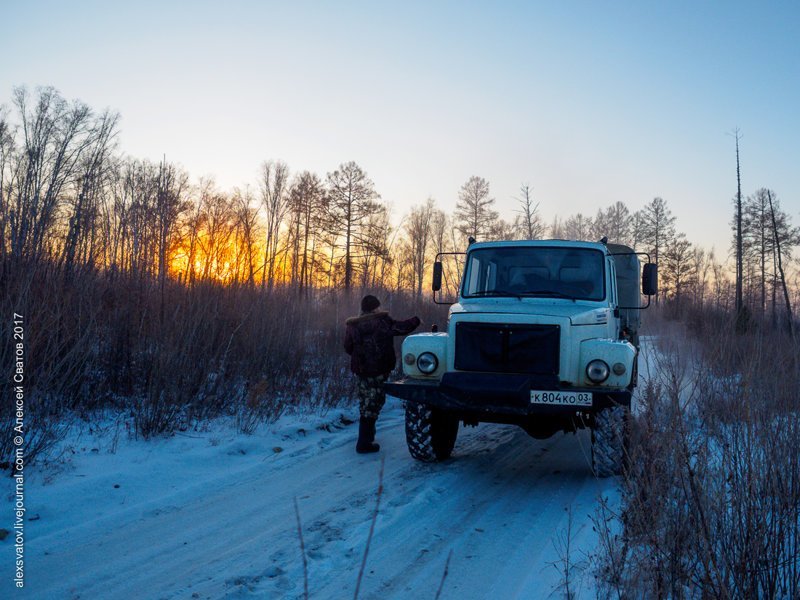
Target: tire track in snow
x=500, y=509
x=497, y=504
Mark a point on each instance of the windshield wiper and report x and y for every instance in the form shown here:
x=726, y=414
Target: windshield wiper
x=495, y=293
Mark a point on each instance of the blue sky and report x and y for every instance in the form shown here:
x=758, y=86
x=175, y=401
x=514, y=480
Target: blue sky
x=588, y=102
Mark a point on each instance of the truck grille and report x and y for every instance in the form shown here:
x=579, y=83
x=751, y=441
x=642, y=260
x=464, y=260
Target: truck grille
x=507, y=348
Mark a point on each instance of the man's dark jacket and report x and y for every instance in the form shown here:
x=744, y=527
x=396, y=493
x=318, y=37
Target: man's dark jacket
x=368, y=340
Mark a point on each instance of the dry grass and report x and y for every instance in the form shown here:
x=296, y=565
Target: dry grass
x=712, y=498
x=175, y=356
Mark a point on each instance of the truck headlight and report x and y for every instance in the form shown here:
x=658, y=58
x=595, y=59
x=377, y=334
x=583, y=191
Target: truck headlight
x=597, y=371
x=428, y=363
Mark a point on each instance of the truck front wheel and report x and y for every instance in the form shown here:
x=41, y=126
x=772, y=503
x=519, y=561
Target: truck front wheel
x=610, y=440
x=430, y=433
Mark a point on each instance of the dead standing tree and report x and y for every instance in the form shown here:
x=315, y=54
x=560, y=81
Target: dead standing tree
x=530, y=223
x=740, y=315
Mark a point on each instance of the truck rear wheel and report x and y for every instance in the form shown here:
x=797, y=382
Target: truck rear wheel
x=610, y=440
x=430, y=433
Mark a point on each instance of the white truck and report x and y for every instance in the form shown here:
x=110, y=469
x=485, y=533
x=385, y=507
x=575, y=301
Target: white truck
x=544, y=335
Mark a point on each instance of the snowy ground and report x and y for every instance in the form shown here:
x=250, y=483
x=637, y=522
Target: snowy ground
x=211, y=514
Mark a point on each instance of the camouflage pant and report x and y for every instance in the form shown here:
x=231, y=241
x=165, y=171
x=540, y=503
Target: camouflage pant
x=371, y=396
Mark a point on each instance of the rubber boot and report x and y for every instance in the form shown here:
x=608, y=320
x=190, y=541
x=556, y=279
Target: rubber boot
x=366, y=436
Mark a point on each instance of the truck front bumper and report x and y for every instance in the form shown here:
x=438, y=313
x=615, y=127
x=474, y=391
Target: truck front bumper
x=485, y=394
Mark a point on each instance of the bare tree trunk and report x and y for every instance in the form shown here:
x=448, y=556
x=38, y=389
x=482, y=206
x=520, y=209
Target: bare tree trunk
x=774, y=287
x=763, y=252
x=304, y=262
x=348, y=264
x=790, y=317
x=739, y=270
x=274, y=176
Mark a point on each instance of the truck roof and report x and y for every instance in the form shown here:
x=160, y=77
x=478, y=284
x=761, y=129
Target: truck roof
x=550, y=243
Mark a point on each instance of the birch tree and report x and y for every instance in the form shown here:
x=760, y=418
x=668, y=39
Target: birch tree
x=273, y=185
x=419, y=231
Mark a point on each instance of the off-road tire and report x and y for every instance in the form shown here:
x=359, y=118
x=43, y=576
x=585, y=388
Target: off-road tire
x=430, y=433
x=610, y=440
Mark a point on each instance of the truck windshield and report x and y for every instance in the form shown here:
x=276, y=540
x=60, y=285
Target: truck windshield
x=518, y=271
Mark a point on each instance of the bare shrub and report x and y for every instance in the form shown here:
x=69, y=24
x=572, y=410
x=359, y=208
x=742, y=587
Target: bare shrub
x=712, y=497
x=567, y=565
x=42, y=430
x=177, y=354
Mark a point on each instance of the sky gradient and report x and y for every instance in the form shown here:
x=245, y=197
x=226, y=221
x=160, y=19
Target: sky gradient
x=588, y=102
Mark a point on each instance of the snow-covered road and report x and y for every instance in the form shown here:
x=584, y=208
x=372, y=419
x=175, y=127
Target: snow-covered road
x=212, y=515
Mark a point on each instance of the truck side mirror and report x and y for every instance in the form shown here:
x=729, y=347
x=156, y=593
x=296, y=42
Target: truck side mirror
x=437, y=276
x=650, y=279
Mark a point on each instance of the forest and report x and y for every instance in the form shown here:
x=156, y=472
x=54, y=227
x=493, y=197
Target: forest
x=145, y=289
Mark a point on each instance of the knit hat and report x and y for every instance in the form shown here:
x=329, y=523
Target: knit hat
x=369, y=303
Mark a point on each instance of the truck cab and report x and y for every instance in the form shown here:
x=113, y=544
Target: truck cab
x=544, y=335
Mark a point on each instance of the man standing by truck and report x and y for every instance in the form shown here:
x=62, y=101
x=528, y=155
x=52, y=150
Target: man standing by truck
x=369, y=340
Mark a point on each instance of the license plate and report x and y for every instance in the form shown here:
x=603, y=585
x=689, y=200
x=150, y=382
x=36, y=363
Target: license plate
x=561, y=398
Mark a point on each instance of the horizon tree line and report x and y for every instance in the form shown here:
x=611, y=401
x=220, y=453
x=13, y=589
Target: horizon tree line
x=68, y=197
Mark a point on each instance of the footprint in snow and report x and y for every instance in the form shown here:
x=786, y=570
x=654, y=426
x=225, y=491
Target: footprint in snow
x=400, y=500
x=360, y=501
x=246, y=581
x=161, y=511
x=315, y=554
x=326, y=531
x=284, y=584
x=273, y=572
